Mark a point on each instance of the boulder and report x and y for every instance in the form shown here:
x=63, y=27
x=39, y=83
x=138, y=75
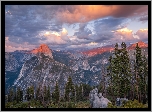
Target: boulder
x=97, y=100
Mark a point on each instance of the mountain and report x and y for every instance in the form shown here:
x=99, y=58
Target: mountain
x=140, y=44
x=11, y=64
x=43, y=49
x=43, y=70
x=43, y=66
x=99, y=50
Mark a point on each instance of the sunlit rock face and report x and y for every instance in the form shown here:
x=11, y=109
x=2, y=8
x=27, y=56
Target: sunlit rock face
x=140, y=44
x=43, y=49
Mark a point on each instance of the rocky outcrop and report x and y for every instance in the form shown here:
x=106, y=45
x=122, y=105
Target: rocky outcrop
x=97, y=100
x=43, y=49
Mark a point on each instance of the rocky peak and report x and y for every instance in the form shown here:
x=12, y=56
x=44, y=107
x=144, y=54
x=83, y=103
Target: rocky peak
x=43, y=49
x=140, y=44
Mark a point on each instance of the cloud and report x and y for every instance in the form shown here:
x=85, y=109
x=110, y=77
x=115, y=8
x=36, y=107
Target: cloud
x=85, y=13
x=44, y=24
x=144, y=18
x=103, y=28
x=83, y=32
x=127, y=35
x=12, y=46
x=64, y=35
x=54, y=37
x=142, y=34
x=124, y=34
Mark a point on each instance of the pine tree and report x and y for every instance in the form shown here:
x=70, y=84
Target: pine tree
x=45, y=93
x=86, y=90
x=30, y=93
x=10, y=95
x=15, y=95
x=19, y=95
x=77, y=93
x=38, y=93
x=125, y=71
x=56, y=93
x=141, y=74
x=119, y=72
x=80, y=92
x=48, y=94
x=69, y=90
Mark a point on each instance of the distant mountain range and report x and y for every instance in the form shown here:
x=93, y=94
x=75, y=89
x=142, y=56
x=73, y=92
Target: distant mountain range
x=110, y=48
x=44, y=66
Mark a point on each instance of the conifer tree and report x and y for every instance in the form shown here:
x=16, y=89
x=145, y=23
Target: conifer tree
x=48, y=94
x=10, y=95
x=141, y=74
x=56, y=93
x=15, y=95
x=77, y=92
x=119, y=71
x=30, y=93
x=45, y=93
x=69, y=90
x=19, y=95
x=38, y=93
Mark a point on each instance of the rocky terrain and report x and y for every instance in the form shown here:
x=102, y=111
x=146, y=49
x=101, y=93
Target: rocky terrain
x=44, y=66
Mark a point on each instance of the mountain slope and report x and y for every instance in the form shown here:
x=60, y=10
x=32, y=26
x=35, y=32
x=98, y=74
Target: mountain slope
x=99, y=50
x=42, y=70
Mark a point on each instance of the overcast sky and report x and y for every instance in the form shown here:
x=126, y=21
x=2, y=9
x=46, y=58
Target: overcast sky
x=73, y=26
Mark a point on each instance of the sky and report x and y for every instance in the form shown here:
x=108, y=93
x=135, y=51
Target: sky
x=72, y=27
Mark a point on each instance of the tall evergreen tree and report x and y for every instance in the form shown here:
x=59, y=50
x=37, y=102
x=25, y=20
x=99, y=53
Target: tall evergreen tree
x=141, y=74
x=125, y=71
x=119, y=71
x=48, y=94
x=10, y=95
x=19, y=95
x=38, y=93
x=45, y=93
x=56, y=93
x=30, y=93
x=77, y=93
x=69, y=90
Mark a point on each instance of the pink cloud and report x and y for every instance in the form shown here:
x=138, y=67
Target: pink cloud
x=142, y=34
x=12, y=46
x=85, y=13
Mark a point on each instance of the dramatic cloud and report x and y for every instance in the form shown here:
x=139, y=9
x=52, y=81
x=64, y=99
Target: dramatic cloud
x=91, y=12
x=54, y=37
x=72, y=26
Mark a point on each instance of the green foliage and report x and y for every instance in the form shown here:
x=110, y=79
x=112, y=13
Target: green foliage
x=30, y=93
x=11, y=95
x=129, y=104
x=110, y=105
x=69, y=90
x=19, y=95
x=141, y=75
x=56, y=93
x=48, y=95
x=86, y=90
x=119, y=71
